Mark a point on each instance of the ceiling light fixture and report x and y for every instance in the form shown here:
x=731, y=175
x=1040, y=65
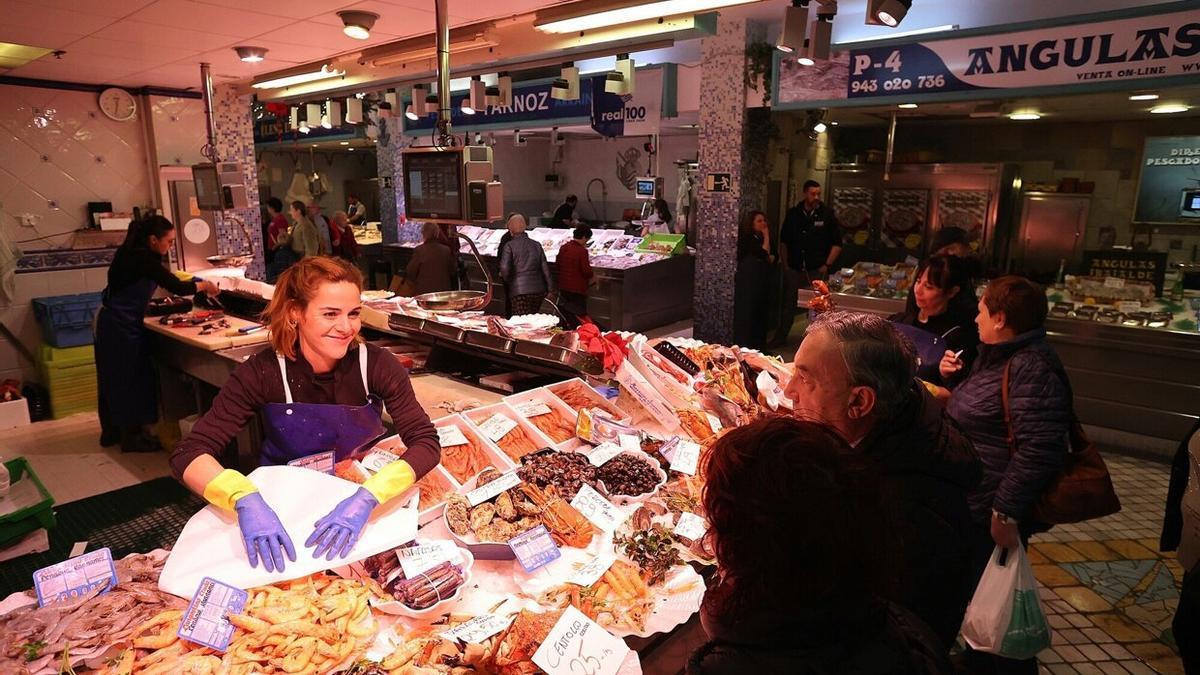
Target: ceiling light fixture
x=1025, y=116
x=795, y=23
x=907, y=106
x=600, y=13
x=1169, y=108
x=566, y=86
x=333, y=110
x=804, y=59
x=251, y=54
x=504, y=83
x=1143, y=97
x=431, y=104
x=427, y=51
x=492, y=95
x=890, y=12
x=820, y=127
x=358, y=24
x=477, y=95
x=822, y=34
x=411, y=113
x=344, y=143
x=299, y=78
x=354, y=110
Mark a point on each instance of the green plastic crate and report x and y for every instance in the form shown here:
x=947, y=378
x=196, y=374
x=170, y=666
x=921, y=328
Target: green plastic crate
x=666, y=244
x=20, y=523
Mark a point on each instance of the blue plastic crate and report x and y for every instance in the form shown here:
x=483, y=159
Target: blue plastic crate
x=67, y=319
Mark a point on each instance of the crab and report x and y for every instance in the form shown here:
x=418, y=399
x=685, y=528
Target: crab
x=528, y=631
x=566, y=524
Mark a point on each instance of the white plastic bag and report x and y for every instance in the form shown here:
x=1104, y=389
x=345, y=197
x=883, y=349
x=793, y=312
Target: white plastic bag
x=1005, y=615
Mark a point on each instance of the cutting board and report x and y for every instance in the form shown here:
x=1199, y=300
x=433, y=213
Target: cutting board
x=212, y=342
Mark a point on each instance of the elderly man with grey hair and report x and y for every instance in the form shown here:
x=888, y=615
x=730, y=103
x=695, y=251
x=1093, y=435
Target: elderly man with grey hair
x=856, y=373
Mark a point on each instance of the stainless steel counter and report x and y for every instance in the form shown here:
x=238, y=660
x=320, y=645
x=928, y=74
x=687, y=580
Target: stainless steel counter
x=1143, y=382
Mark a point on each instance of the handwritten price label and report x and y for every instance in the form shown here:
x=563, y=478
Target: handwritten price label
x=579, y=646
x=690, y=526
x=601, y=512
x=321, y=461
x=206, y=621
x=378, y=459
x=630, y=442
x=686, y=457
x=592, y=570
x=603, y=452
x=497, y=426
x=426, y=555
x=482, y=494
x=449, y=436
x=532, y=408
x=479, y=628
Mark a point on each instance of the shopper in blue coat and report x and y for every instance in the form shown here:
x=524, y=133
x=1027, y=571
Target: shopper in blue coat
x=1012, y=316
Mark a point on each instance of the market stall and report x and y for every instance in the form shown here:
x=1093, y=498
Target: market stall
x=558, y=521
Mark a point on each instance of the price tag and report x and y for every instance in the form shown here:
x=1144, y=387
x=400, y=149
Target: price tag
x=686, y=457
x=579, y=646
x=321, y=461
x=532, y=408
x=534, y=548
x=377, y=459
x=1114, y=282
x=74, y=578
x=1127, y=306
x=713, y=422
x=600, y=454
x=630, y=442
x=497, y=426
x=601, y=512
x=426, y=555
x=449, y=436
x=668, y=449
x=690, y=526
x=206, y=621
x=481, y=494
x=478, y=629
x=592, y=570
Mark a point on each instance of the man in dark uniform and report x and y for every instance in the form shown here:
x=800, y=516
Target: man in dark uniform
x=810, y=243
x=564, y=215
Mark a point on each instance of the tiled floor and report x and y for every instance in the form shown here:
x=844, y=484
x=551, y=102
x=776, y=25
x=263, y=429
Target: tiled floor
x=1108, y=593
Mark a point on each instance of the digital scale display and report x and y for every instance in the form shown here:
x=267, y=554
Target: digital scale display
x=433, y=185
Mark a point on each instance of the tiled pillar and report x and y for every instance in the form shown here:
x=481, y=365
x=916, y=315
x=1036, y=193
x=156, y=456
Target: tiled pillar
x=391, y=193
x=235, y=143
x=722, y=126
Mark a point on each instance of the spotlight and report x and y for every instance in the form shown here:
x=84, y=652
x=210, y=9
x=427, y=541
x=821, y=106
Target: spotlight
x=354, y=110
x=1169, y=108
x=385, y=109
x=795, y=23
x=626, y=67
x=491, y=95
x=465, y=106
x=888, y=12
x=822, y=34
x=333, y=110
x=566, y=86
x=1025, y=116
x=559, y=89
x=804, y=59
x=814, y=124
x=614, y=82
x=312, y=114
x=1143, y=97
x=820, y=127
x=251, y=54
x=504, y=83
x=477, y=96
x=411, y=113
x=907, y=106
x=392, y=98
x=357, y=24
x=431, y=104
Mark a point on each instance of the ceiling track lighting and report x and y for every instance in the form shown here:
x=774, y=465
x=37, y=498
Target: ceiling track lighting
x=251, y=54
x=431, y=104
x=566, y=86
x=476, y=99
x=358, y=24
x=795, y=25
x=411, y=113
x=505, y=93
x=354, y=110
x=1025, y=116
x=492, y=96
x=1143, y=96
x=294, y=118
x=333, y=114
x=887, y=12
x=628, y=70
x=822, y=37
x=1169, y=109
x=814, y=124
x=280, y=81
x=604, y=13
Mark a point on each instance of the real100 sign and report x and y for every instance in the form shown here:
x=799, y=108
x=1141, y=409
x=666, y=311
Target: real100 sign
x=1164, y=45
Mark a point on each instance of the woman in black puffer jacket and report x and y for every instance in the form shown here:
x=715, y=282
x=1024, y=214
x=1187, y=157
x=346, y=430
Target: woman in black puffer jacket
x=1012, y=316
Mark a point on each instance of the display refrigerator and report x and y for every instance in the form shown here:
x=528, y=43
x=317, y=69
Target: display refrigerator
x=1050, y=234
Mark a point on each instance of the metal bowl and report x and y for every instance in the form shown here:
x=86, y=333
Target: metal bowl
x=453, y=301
x=229, y=260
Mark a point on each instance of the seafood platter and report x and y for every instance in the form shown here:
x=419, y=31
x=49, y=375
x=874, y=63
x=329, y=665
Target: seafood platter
x=551, y=504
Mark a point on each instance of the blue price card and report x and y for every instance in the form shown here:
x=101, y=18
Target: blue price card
x=321, y=461
x=534, y=548
x=206, y=621
x=74, y=578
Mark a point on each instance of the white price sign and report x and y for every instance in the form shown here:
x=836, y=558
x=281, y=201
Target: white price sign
x=690, y=526
x=450, y=436
x=497, y=426
x=592, y=570
x=579, y=646
x=686, y=457
x=600, y=454
x=1114, y=282
x=532, y=408
x=601, y=512
x=630, y=442
x=377, y=459
x=1127, y=306
x=481, y=494
x=478, y=629
x=426, y=555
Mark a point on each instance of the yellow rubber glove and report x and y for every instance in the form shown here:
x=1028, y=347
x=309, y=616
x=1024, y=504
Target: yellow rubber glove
x=228, y=487
x=391, y=480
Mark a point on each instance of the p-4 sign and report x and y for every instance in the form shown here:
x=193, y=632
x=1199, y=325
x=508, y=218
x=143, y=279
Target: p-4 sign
x=718, y=182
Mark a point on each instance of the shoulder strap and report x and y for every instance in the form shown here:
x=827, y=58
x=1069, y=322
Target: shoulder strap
x=287, y=389
x=1007, y=410
x=362, y=367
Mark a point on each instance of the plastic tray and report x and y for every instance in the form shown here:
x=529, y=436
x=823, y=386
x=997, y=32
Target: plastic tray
x=480, y=415
x=67, y=319
x=20, y=523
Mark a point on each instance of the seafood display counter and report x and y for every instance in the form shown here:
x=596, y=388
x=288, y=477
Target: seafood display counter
x=1129, y=374
x=633, y=291
x=556, y=518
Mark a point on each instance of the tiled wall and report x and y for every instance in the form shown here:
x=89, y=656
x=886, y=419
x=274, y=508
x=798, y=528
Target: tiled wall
x=235, y=142
x=391, y=193
x=722, y=123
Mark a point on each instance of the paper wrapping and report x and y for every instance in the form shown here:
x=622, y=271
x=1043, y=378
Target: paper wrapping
x=211, y=542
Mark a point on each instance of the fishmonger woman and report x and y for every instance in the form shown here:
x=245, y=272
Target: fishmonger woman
x=319, y=388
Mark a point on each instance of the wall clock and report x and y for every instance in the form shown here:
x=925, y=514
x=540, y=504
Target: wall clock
x=117, y=104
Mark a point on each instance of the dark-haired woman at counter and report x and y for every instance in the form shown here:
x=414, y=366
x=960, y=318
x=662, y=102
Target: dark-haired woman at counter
x=941, y=316
x=125, y=376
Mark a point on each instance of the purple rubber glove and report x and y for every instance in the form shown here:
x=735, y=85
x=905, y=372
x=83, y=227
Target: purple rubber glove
x=337, y=532
x=262, y=533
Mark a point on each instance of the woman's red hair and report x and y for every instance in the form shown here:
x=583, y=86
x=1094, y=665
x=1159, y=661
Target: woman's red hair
x=295, y=288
